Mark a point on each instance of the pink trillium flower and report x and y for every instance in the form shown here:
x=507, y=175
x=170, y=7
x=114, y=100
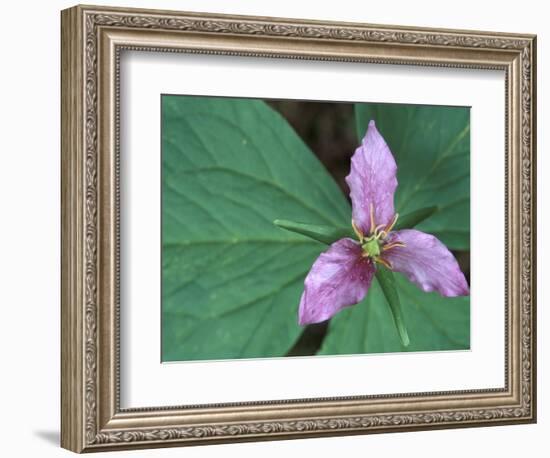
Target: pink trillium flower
x=342, y=275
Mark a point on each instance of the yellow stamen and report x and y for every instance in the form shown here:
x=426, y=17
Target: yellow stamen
x=383, y=262
x=372, y=224
x=376, y=229
x=358, y=232
x=389, y=246
x=392, y=223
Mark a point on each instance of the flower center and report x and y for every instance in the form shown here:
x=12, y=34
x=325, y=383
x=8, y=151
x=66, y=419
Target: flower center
x=374, y=245
x=371, y=247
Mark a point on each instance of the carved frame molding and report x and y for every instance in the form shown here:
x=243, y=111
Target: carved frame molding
x=92, y=39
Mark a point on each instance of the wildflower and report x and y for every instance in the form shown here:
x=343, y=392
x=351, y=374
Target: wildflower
x=342, y=275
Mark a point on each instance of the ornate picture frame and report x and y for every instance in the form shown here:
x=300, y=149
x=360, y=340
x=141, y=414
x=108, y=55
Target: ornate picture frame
x=93, y=39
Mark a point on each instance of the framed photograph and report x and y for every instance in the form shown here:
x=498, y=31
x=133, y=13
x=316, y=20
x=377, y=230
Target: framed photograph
x=278, y=228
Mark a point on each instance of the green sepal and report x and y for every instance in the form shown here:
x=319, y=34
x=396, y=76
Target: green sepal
x=387, y=283
x=323, y=234
x=414, y=218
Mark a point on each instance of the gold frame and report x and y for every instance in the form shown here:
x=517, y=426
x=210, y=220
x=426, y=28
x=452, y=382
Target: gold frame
x=92, y=39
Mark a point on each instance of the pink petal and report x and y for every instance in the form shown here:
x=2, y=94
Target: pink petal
x=338, y=278
x=426, y=262
x=372, y=181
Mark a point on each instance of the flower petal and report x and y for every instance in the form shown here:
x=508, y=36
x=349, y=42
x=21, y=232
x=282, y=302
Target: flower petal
x=372, y=181
x=426, y=262
x=338, y=278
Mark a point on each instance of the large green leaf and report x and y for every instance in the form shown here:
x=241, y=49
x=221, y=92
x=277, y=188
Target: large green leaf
x=432, y=323
x=431, y=145
x=231, y=279
x=431, y=148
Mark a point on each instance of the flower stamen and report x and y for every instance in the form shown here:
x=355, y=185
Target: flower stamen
x=377, y=231
x=358, y=232
x=382, y=234
x=388, y=229
x=372, y=223
x=371, y=245
x=391, y=245
x=382, y=261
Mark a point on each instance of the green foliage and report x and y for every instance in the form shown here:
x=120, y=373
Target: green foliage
x=231, y=279
x=323, y=234
x=433, y=323
x=414, y=218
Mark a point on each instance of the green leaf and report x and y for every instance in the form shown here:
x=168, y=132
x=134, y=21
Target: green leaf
x=387, y=284
x=231, y=279
x=323, y=234
x=433, y=323
x=431, y=145
x=414, y=218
